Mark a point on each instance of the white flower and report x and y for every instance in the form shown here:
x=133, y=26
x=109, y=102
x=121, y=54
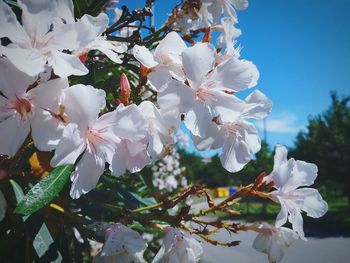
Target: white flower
x=228, y=36
x=288, y=175
x=238, y=138
x=34, y=44
x=49, y=29
x=160, y=127
x=165, y=62
x=178, y=248
x=122, y=245
x=225, y=7
x=3, y=205
x=207, y=86
x=23, y=109
x=273, y=241
x=99, y=139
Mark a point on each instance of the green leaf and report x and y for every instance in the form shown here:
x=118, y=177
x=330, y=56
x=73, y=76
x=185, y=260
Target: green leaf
x=44, y=191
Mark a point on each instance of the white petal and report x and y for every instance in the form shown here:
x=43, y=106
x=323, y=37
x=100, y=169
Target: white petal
x=313, y=203
x=13, y=132
x=107, y=48
x=215, y=9
x=235, y=154
x=198, y=119
x=14, y=82
x=234, y=74
x=262, y=243
x=258, y=105
x=28, y=61
x=10, y=27
x=48, y=95
x=176, y=95
x=159, y=77
x=144, y=56
x=86, y=174
x=214, y=138
x=282, y=216
x=198, y=60
x=126, y=122
x=70, y=146
x=276, y=250
x=46, y=130
x=304, y=174
x=240, y=4
x=83, y=104
x=282, y=169
x=171, y=45
x=65, y=65
x=3, y=206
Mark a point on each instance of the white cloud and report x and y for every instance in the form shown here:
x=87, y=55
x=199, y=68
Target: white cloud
x=280, y=123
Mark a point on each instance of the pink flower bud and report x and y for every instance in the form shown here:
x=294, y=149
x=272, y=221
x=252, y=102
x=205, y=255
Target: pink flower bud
x=125, y=90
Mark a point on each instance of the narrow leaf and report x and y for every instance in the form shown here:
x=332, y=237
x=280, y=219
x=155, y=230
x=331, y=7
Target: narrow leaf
x=44, y=191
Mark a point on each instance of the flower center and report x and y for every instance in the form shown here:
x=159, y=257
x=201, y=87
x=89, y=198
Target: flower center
x=23, y=107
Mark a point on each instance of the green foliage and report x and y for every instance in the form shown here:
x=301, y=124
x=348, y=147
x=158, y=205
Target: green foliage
x=327, y=144
x=44, y=191
x=212, y=174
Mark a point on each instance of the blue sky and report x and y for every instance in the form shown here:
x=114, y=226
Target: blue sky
x=302, y=50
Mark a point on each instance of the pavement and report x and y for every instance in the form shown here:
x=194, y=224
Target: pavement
x=315, y=250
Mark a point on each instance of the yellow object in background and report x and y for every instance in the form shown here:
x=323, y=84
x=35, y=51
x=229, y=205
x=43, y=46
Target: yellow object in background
x=40, y=163
x=222, y=192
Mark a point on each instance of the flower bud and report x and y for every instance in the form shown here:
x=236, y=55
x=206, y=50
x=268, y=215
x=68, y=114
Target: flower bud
x=125, y=90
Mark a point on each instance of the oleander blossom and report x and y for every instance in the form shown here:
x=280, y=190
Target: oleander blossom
x=237, y=137
x=208, y=86
x=273, y=241
x=177, y=247
x=48, y=30
x=288, y=176
x=99, y=139
x=26, y=107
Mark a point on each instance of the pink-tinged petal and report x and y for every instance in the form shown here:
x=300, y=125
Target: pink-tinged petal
x=29, y=61
x=144, y=56
x=258, y=106
x=65, y=65
x=70, y=146
x=13, y=132
x=198, y=60
x=175, y=95
x=46, y=130
x=83, y=104
x=87, y=173
x=312, y=202
x=171, y=46
x=14, y=82
x=198, y=119
x=10, y=27
x=234, y=74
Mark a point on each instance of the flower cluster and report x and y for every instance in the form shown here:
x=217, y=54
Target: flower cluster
x=197, y=86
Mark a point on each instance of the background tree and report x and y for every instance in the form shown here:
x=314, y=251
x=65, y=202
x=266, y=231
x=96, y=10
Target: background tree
x=326, y=142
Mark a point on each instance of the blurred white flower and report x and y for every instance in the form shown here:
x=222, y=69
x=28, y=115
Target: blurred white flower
x=178, y=248
x=122, y=245
x=273, y=241
x=288, y=176
x=225, y=8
